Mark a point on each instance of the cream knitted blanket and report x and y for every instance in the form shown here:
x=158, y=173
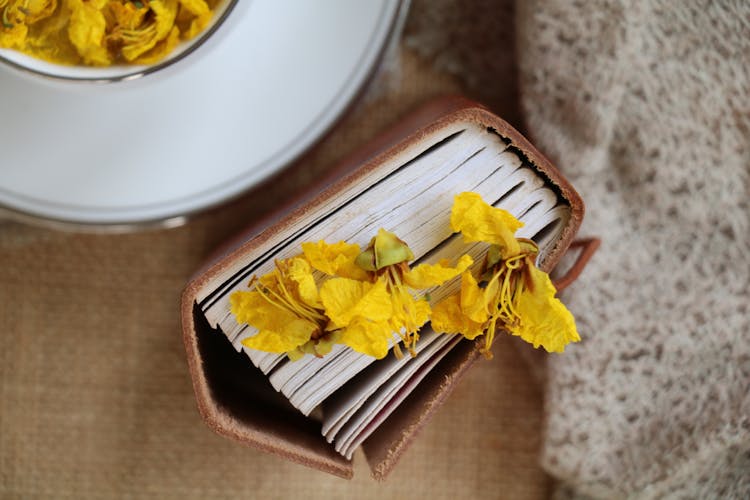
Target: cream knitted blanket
x=646, y=107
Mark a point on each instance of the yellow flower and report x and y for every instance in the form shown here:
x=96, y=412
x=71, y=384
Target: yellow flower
x=126, y=15
x=37, y=10
x=431, y=275
x=139, y=30
x=361, y=312
x=14, y=18
x=478, y=221
x=335, y=259
x=284, y=305
x=12, y=34
x=87, y=29
x=514, y=295
x=17, y=15
x=200, y=14
x=161, y=49
x=294, y=316
x=545, y=321
x=386, y=260
x=454, y=314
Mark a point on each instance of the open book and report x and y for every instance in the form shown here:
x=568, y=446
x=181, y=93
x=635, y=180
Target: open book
x=351, y=399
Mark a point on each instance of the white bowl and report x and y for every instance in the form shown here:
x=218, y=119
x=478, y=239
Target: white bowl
x=117, y=73
x=155, y=150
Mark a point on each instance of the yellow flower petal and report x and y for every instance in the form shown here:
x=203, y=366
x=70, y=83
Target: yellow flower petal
x=473, y=299
x=126, y=15
x=198, y=25
x=300, y=272
x=422, y=312
x=319, y=347
x=14, y=36
x=344, y=299
x=478, y=221
x=429, y=275
x=165, y=13
x=368, y=337
x=409, y=312
x=37, y=10
x=161, y=49
x=325, y=344
x=146, y=37
x=279, y=330
x=86, y=31
x=447, y=317
x=250, y=307
x=545, y=321
x=243, y=305
x=284, y=306
x=202, y=13
x=335, y=259
x=196, y=7
x=294, y=334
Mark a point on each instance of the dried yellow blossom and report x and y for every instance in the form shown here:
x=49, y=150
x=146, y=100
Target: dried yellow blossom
x=86, y=31
x=37, y=10
x=361, y=311
x=285, y=307
x=366, y=297
x=293, y=316
x=545, y=321
x=101, y=32
x=454, y=314
x=201, y=16
x=513, y=295
x=335, y=259
x=12, y=35
x=125, y=15
x=317, y=348
x=385, y=263
x=160, y=50
x=386, y=259
x=431, y=275
x=478, y=221
x=345, y=299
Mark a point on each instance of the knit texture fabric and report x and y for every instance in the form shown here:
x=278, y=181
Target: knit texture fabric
x=645, y=106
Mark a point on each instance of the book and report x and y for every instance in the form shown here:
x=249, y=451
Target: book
x=319, y=410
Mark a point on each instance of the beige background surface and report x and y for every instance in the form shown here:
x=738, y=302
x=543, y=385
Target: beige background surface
x=95, y=397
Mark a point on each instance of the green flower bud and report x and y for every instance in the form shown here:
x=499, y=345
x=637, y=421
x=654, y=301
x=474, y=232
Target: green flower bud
x=385, y=249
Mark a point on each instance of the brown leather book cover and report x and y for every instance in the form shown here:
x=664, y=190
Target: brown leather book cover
x=236, y=399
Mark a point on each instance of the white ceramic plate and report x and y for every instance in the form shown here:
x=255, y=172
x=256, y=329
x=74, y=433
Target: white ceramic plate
x=210, y=127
